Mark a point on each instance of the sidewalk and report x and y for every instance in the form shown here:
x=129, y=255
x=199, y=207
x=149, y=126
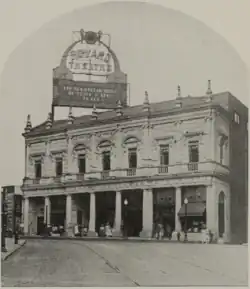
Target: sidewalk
x=11, y=247
x=121, y=239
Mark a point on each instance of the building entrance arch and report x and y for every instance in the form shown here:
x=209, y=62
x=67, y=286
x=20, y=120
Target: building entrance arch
x=221, y=214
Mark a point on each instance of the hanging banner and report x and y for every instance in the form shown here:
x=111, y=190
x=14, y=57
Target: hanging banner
x=89, y=74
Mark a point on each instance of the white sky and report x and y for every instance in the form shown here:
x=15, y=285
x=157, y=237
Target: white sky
x=183, y=51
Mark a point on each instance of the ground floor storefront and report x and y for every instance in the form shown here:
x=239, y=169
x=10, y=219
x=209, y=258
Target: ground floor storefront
x=135, y=212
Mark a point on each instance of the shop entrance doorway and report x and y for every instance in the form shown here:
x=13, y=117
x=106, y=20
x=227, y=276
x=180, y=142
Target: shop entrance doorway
x=40, y=225
x=132, y=213
x=105, y=209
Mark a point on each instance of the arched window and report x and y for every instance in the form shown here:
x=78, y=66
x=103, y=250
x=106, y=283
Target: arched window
x=105, y=147
x=80, y=152
x=131, y=144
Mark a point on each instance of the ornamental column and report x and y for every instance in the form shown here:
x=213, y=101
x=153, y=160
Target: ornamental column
x=177, y=209
x=117, y=227
x=68, y=215
x=147, y=214
x=227, y=216
x=92, y=213
x=211, y=210
x=47, y=211
x=26, y=216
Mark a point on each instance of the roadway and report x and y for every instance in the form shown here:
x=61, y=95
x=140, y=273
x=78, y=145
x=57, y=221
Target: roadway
x=103, y=263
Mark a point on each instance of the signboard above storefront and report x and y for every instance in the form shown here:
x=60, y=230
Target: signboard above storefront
x=89, y=74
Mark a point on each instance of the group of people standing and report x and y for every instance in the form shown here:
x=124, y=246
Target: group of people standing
x=105, y=230
x=161, y=231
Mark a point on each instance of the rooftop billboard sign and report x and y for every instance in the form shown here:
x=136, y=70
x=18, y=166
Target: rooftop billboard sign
x=89, y=74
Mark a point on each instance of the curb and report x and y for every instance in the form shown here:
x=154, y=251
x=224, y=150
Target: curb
x=13, y=251
x=119, y=239
x=98, y=239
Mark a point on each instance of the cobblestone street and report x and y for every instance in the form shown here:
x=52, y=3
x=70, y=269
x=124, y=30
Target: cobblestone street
x=78, y=263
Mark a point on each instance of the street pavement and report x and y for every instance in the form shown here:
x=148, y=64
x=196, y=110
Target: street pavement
x=11, y=247
x=103, y=263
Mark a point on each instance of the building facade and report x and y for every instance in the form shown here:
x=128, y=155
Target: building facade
x=12, y=196
x=134, y=166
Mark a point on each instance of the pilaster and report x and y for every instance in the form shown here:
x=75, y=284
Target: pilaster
x=70, y=158
x=147, y=214
x=212, y=210
x=117, y=227
x=227, y=235
x=92, y=215
x=177, y=208
x=69, y=229
x=47, y=210
x=47, y=164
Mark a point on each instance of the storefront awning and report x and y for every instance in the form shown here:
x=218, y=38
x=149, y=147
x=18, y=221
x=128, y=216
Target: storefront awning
x=193, y=210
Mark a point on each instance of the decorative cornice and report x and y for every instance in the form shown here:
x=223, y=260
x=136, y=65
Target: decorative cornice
x=193, y=134
x=81, y=136
x=57, y=153
x=80, y=147
x=35, y=157
x=164, y=138
x=130, y=139
x=94, y=125
x=105, y=142
x=125, y=184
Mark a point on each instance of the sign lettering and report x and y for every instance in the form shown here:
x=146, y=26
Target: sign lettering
x=86, y=94
x=91, y=59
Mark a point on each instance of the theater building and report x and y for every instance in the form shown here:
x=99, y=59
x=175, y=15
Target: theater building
x=133, y=166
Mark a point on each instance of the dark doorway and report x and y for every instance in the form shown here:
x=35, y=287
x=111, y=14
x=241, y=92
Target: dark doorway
x=164, y=208
x=58, y=210
x=105, y=209
x=132, y=213
x=40, y=225
x=221, y=213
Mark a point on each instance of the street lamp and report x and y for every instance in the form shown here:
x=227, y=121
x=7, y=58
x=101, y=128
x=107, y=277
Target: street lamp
x=125, y=202
x=125, y=217
x=185, y=202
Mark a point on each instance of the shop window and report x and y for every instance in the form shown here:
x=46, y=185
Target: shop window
x=82, y=164
x=38, y=169
x=236, y=118
x=106, y=161
x=195, y=224
x=59, y=167
x=132, y=158
x=193, y=151
x=164, y=155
